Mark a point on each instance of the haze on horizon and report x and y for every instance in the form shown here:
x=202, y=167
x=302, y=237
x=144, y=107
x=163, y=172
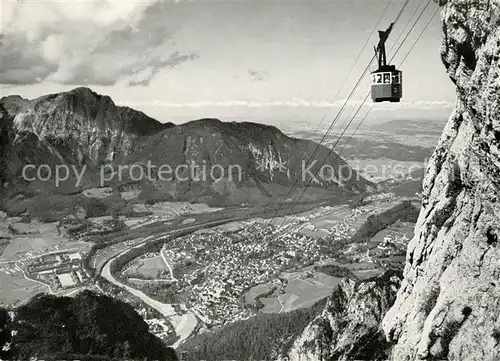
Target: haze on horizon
x=268, y=61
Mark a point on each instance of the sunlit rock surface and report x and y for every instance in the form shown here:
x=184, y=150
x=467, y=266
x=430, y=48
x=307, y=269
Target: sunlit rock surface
x=448, y=306
x=349, y=326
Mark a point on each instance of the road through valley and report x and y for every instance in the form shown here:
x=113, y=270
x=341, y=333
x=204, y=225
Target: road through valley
x=184, y=324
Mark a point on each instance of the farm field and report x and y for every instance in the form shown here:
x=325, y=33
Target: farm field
x=168, y=210
x=3, y=244
x=98, y=193
x=32, y=247
x=228, y=227
x=148, y=268
x=19, y=288
x=35, y=239
x=231, y=271
x=257, y=291
x=397, y=229
x=302, y=290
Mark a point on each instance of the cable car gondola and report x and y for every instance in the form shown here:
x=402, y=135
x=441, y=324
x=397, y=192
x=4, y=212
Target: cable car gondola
x=387, y=81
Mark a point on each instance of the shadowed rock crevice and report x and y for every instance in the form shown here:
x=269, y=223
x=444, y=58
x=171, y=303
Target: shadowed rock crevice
x=206, y=160
x=349, y=326
x=448, y=306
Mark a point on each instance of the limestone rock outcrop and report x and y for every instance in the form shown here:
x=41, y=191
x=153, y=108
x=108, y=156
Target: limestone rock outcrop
x=349, y=326
x=448, y=306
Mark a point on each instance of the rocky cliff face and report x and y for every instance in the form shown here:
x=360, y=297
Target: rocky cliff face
x=349, y=326
x=237, y=158
x=205, y=160
x=79, y=126
x=448, y=306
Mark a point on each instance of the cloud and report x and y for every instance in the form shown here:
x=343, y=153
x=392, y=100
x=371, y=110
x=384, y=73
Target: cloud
x=296, y=103
x=257, y=75
x=144, y=77
x=86, y=43
x=420, y=105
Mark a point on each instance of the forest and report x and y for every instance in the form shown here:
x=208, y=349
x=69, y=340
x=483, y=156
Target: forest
x=88, y=327
x=404, y=212
x=261, y=337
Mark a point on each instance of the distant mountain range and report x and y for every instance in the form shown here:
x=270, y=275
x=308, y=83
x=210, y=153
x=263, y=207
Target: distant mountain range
x=205, y=160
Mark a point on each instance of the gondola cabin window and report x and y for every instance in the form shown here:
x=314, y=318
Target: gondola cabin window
x=396, y=79
x=386, y=78
x=378, y=78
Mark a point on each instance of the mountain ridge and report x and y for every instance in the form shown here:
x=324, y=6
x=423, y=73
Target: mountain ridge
x=244, y=162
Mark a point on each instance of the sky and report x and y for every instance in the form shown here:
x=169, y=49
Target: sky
x=270, y=61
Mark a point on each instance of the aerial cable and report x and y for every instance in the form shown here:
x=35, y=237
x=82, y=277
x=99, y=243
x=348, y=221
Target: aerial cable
x=357, y=59
x=420, y=36
x=365, y=99
x=392, y=58
x=324, y=136
x=336, y=95
x=390, y=51
x=392, y=48
x=334, y=121
x=406, y=56
x=406, y=26
x=352, y=135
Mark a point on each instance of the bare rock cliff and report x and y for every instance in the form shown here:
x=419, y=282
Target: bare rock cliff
x=448, y=306
x=349, y=326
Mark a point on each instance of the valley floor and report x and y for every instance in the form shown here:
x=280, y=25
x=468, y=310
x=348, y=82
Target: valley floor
x=227, y=265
